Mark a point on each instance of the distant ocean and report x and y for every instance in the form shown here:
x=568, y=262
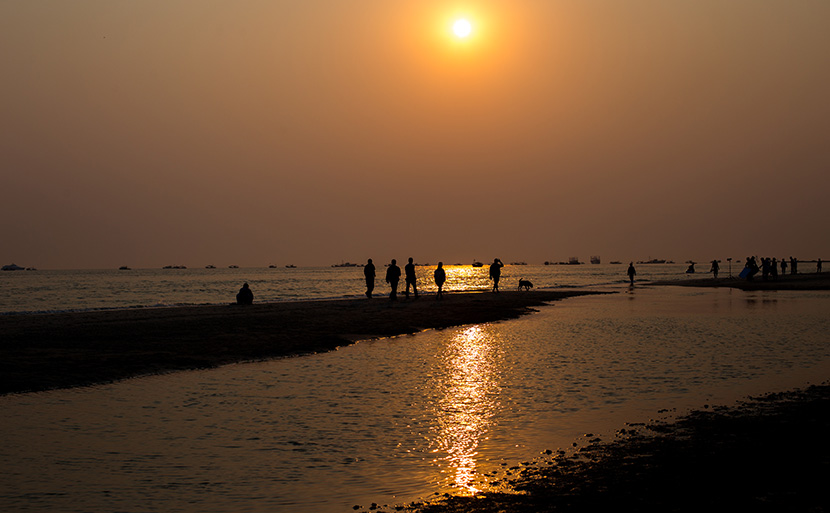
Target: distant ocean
x=66, y=290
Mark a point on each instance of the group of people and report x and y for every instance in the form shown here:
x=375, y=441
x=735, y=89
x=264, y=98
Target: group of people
x=769, y=267
x=393, y=277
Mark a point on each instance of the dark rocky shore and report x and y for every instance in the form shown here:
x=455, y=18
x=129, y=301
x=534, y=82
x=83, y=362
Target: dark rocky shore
x=59, y=350
x=767, y=454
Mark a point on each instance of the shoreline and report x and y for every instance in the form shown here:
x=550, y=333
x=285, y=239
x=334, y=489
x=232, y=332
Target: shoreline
x=766, y=453
x=50, y=351
x=805, y=281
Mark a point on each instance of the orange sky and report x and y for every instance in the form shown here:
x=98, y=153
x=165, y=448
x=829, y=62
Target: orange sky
x=256, y=132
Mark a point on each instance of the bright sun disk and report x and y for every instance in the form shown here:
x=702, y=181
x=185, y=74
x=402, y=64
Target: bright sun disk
x=462, y=28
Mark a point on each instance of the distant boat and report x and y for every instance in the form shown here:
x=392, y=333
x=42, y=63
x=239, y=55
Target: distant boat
x=124, y=268
x=290, y=266
x=477, y=264
x=595, y=260
x=233, y=267
x=210, y=266
x=655, y=261
x=174, y=267
x=347, y=264
x=518, y=263
x=615, y=262
x=272, y=266
x=12, y=267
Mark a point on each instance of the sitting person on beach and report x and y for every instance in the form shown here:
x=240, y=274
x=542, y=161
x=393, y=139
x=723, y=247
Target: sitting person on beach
x=245, y=296
x=440, y=278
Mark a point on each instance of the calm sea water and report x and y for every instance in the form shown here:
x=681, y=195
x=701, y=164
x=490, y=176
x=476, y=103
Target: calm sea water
x=38, y=291
x=397, y=419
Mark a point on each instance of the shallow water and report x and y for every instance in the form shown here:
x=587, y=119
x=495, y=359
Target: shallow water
x=396, y=419
x=58, y=290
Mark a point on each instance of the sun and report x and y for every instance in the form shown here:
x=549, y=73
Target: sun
x=462, y=28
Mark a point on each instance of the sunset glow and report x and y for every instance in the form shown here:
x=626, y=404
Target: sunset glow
x=462, y=28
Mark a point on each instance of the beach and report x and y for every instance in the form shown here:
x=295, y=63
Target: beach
x=804, y=281
x=60, y=350
x=760, y=454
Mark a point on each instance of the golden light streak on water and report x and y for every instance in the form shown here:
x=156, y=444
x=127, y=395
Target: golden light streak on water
x=468, y=403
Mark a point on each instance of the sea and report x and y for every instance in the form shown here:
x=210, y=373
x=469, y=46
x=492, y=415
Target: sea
x=389, y=421
x=68, y=290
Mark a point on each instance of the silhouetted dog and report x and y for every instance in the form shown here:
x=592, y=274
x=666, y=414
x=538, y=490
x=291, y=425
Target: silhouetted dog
x=525, y=284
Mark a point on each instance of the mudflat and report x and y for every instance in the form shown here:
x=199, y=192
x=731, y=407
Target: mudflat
x=809, y=281
x=58, y=350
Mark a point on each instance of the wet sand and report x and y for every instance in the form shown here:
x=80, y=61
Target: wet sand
x=58, y=350
x=811, y=281
x=769, y=453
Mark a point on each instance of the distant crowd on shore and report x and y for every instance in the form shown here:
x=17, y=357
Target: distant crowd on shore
x=769, y=267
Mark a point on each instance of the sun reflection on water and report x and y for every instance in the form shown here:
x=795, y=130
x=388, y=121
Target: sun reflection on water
x=467, y=403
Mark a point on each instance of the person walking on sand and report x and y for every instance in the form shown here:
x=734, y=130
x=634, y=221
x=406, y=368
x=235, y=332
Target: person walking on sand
x=631, y=272
x=440, y=278
x=245, y=296
x=369, y=274
x=393, y=276
x=715, y=268
x=409, y=277
x=495, y=273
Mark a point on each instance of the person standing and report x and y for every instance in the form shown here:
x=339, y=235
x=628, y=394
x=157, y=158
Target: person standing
x=369, y=274
x=409, y=277
x=783, y=266
x=631, y=272
x=440, y=278
x=715, y=268
x=393, y=276
x=818, y=266
x=495, y=273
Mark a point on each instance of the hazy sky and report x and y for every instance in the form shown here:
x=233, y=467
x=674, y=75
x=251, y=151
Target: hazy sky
x=251, y=132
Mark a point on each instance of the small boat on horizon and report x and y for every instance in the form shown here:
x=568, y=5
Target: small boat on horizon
x=290, y=266
x=477, y=264
x=12, y=267
x=347, y=264
x=595, y=260
x=210, y=266
x=124, y=268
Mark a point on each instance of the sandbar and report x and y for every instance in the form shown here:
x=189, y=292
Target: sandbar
x=60, y=350
x=806, y=281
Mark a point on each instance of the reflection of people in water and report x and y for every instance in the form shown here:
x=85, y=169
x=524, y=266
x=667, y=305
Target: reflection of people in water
x=440, y=278
x=715, y=268
x=631, y=272
x=495, y=273
x=393, y=276
x=245, y=296
x=369, y=274
x=409, y=276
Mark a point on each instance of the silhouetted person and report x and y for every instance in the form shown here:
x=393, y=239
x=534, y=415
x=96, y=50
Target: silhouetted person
x=793, y=265
x=369, y=274
x=440, y=278
x=818, y=266
x=393, y=276
x=631, y=272
x=783, y=266
x=764, y=268
x=752, y=266
x=773, y=269
x=495, y=273
x=245, y=296
x=691, y=268
x=409, y=276
x=715, y=268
